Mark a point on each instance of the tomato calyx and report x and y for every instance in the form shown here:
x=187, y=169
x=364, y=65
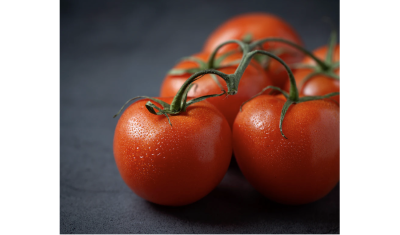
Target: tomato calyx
x=293, y=96
x=329, y=71
x=329, y=67
x=180, y=102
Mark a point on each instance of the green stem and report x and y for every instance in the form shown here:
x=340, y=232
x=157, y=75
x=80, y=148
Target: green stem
x=331, y=48
x=321, y=63
x=293, y=92
x=243, y=46
x=177, y=101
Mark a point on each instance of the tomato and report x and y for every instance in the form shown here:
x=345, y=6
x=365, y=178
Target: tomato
x=259, y=26
x=175, y=165
x=252, y=82
x=300, y=169
x=318, y=85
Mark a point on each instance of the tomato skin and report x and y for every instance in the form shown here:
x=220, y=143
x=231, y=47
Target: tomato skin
x=260, y=26
x=318, y=85
x=297, y=170
x=175, y=165
x=252, y=82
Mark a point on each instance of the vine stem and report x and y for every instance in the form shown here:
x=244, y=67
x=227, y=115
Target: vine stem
x=293, y=92
x=177, y=101
x=243, y=46
x=321, y=63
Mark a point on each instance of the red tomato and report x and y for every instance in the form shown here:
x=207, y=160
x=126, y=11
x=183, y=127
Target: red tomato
x=259, y=26
x=297, y=170
x=252, y=82
x=175, y=165
x=320, y=84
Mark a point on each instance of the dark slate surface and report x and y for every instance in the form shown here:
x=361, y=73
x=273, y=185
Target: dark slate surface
x=114, y=50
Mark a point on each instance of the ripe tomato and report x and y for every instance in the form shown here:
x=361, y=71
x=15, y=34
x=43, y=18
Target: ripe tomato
x=318, y=85
x=297, y=170
x=175, y=165
x=259, y=26
x=252, y=82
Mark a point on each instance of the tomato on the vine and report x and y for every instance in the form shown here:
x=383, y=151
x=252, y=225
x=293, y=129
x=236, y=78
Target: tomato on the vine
x=318, y=84
x=288, y=146
x=252, y=81
x=172, y=165
x=254, y=26
x=300, y=169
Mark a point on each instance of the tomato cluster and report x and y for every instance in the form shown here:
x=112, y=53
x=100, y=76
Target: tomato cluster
x=175, y=149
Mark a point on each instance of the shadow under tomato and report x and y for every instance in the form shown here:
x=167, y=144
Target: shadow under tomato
x=234, y=200
x=230, y=200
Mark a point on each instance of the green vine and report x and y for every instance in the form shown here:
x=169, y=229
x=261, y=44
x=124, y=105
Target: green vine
x=180, y=103
x=293, y=96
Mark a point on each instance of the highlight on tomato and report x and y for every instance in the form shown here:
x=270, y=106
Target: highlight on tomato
x=316, y=78
x=172, y=151
x=287, y=146
x=253, y=80
x=255, y=26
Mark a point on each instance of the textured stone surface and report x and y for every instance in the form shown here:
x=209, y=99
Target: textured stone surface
x=108, y=55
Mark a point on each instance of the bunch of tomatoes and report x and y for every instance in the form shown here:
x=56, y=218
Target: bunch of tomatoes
x=253, y=91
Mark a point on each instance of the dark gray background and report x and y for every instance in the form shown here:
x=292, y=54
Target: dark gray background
x=114, y=50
